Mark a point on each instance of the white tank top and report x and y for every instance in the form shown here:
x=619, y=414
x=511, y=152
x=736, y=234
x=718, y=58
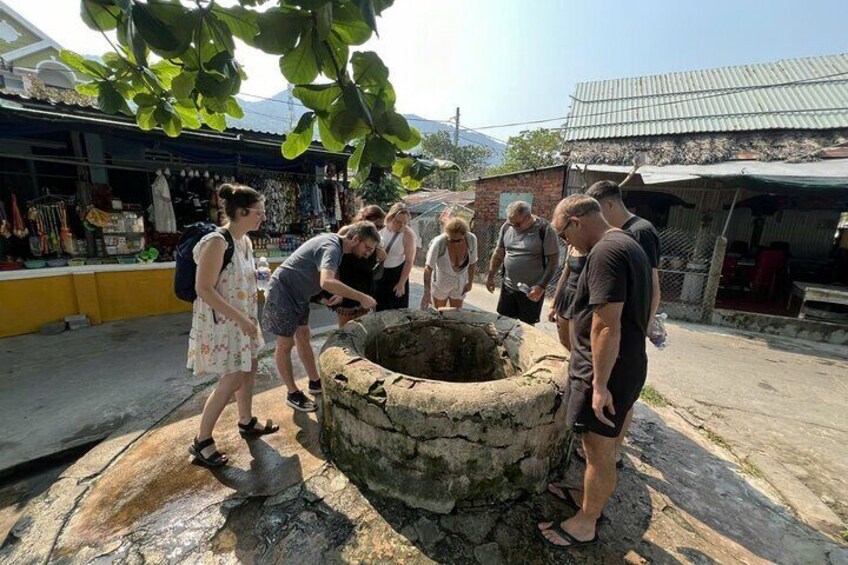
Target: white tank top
x=396, y=255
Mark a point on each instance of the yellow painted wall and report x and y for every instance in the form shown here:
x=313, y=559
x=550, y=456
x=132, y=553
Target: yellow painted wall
x=145, y=293
x=27, y=304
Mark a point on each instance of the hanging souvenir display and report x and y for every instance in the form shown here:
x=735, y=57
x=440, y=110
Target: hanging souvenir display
x=18, y=227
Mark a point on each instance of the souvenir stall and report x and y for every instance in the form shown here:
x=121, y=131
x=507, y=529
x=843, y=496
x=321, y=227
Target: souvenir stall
x=91, y=232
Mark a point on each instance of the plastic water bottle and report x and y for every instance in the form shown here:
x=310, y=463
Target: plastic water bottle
x=657, y=333
x=524, y=287
x=263, y=275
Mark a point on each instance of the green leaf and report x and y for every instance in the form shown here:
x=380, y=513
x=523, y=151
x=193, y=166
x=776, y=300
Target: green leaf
x=144, y=99
x=99, y=17
x=163, y=38
x=165, y=71
x=109, y=100
x=355, y=102
x=168, y=118
x=89, y=88
x=221, y=34
x=366, y=8
x=79, y=63
x=380, y=5
x=348, y=23
x=356, y=158
x=188, y=117
x=183, y=84
x=363, y=173
x=309, y=4
x=368, y=69
x=279, y=30
x=324, y=20
x=136, y=44
x=213, y=85
x=233, y=108
x=243, y=23
x=300, y=65
x=145, y=119
x=327, y=138
x=402, y=166
x=345, y=125
x=397, y=126
x=317, y=96
x=298, y=141
x=115, y=61
x=379, y=152
x=410, y=143
x=335, y=53
x=216, y=120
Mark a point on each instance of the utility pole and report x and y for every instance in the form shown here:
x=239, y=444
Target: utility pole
x=456, y=129
x=290, y=103
x=456, y=144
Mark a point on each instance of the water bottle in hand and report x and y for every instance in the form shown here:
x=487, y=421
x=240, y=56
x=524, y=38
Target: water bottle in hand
x=263, y=275
x=524, y=287
x=657, y=333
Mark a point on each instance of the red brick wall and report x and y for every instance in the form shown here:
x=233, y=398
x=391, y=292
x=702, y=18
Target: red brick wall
x=545, y=185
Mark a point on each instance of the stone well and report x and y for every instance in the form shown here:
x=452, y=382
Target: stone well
x=444, y=409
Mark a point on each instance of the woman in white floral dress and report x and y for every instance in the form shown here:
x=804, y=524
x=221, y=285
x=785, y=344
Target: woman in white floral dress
x=225, y=337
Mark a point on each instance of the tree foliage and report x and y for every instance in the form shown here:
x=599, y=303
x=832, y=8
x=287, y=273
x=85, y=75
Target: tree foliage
x=471, y=159
x=384, y=190
x=532, y=149
x=176, y=63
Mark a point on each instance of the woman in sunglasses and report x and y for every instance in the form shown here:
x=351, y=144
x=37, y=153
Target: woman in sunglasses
x=450, y=267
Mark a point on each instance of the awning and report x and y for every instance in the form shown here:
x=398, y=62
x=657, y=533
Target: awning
x=831, y=174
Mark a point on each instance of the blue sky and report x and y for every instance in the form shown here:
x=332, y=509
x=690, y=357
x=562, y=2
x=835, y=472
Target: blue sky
x=507, y=61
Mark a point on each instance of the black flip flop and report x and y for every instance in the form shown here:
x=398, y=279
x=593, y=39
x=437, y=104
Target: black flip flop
x=217, y=459
x=250, y=430
x=570, y=502
x=579, y=456
x=573, y=542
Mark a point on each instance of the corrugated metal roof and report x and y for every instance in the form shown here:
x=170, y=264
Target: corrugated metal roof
x=809, y=93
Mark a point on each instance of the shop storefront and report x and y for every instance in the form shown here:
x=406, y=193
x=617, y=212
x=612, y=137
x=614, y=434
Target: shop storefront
x=91, y=208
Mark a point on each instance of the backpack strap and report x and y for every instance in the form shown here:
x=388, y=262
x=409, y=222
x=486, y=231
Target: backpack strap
x=391, y=242
x=231, y=247
x=543, y=231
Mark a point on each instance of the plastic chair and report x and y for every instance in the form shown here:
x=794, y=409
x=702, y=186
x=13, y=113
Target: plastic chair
x=770, y=264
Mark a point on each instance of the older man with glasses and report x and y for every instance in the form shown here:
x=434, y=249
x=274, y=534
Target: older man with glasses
x=608, y=362
x=528, y=250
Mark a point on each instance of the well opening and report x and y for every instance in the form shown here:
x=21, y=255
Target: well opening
x=442, y=350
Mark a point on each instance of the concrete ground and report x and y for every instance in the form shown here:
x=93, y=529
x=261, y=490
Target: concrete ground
x=713, y=471
x=59, y=392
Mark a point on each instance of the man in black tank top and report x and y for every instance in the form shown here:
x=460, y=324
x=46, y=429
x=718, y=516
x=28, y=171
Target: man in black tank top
x=608, y=195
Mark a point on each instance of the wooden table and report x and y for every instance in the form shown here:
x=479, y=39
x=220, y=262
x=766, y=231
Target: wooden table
x=817, y=293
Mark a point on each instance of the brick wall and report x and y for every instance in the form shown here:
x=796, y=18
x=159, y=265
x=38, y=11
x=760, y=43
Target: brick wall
x=546, y=186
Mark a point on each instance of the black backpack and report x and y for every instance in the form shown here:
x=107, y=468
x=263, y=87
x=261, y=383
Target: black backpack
x=186, y=269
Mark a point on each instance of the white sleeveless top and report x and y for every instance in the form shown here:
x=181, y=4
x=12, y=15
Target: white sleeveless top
x=396, y=255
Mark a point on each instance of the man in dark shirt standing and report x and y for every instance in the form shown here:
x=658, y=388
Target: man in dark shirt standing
x=608, y=361
x=608, y=195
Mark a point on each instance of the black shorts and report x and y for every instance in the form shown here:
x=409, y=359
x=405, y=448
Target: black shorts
x=579, y=414
x=515, y=304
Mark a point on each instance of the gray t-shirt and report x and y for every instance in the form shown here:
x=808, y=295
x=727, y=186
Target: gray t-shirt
x=299, y=277
x=525, y=251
